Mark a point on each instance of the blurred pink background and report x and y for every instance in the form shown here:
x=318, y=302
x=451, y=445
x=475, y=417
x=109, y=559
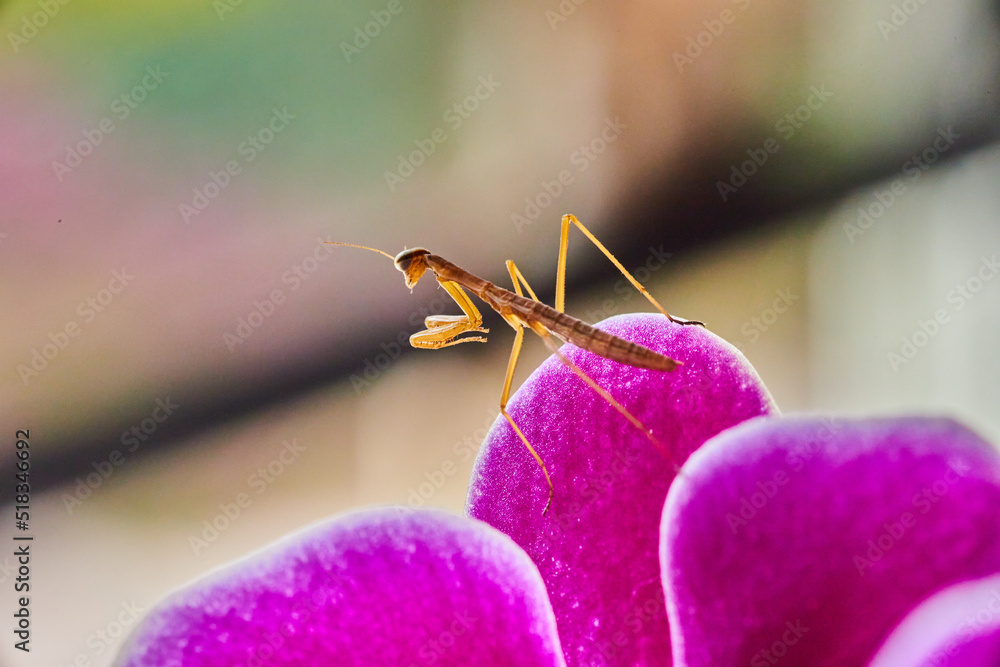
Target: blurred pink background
x=282, y=123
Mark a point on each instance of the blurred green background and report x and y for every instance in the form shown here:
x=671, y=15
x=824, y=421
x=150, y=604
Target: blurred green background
x=817, y=182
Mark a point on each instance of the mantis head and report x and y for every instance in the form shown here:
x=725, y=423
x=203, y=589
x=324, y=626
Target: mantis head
x=412, y=263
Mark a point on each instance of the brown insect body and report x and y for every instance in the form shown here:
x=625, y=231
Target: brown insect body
x=520, y=312
x=563, y=326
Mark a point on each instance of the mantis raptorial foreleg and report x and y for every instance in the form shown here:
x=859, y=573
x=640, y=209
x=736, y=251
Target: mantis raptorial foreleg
x=442, y=330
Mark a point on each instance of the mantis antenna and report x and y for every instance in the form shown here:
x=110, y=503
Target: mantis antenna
x=363, y=247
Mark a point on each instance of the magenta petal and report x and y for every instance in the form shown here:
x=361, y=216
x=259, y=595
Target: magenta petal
x=378, y=587
x=810, y=538
x=597, y=546
x=958, y=627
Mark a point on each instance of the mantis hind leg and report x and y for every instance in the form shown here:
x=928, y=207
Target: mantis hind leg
x=561, y=270
x=550, y=343
x=505, y=394
x=517, y=279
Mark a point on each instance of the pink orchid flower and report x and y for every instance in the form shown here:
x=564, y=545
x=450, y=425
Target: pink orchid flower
x=792, y=540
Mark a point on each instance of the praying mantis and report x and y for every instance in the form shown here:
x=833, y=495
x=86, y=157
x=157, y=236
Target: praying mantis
x=521, y=313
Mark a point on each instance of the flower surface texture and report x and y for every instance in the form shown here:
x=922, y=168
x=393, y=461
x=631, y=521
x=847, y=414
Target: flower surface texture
x=732, y=536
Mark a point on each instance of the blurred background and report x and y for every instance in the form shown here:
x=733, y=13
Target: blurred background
x=200, y=374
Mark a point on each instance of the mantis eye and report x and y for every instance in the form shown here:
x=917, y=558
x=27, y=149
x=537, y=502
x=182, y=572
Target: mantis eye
x=405, y=259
